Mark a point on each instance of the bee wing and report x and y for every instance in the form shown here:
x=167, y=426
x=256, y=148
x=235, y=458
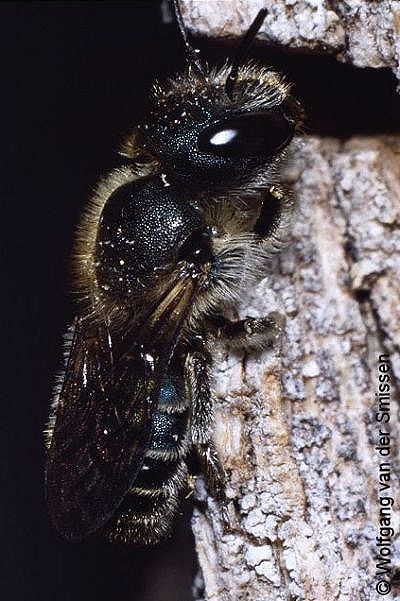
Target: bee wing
x=103, y=421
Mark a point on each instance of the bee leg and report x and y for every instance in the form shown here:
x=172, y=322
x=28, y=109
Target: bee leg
x=214, y=475
x=197, y=369
x=252, y=333
x=212, y=469
x=197, y=377
x=271, y=212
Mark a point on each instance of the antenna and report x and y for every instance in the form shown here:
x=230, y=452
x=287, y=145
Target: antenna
x=242, y=51
x=191, y=54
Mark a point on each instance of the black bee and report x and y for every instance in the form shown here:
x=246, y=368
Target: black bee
x=164, y=247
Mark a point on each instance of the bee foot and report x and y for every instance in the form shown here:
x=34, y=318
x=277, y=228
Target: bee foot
x=227, y=521
x=252, y=333
x=263, y=332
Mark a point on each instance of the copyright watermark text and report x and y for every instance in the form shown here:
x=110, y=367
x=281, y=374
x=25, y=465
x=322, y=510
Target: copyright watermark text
x=385, y=530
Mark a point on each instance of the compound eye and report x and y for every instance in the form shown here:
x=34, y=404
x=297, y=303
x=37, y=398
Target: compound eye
x=251, y=134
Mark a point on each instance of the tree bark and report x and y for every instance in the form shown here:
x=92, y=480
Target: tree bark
x=295, y=427
x=365, y=33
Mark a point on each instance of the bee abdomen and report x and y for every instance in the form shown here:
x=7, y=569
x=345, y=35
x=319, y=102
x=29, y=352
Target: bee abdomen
x=170, y=438
x=146, y=521
x=159, y=477
x=146, y=514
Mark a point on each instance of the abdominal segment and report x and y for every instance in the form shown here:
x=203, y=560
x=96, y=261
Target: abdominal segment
x=146, y=514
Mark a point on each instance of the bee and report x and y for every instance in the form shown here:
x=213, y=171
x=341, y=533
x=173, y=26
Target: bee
x=166, y=245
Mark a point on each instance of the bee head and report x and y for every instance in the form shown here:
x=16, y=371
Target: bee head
x=221, y=125
x=199, y=133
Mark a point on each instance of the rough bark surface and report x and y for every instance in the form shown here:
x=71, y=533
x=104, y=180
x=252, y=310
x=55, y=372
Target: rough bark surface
x=295, y=426
x=365, y=33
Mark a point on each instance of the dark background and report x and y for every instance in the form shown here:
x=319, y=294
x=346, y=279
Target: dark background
x=75, y=77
